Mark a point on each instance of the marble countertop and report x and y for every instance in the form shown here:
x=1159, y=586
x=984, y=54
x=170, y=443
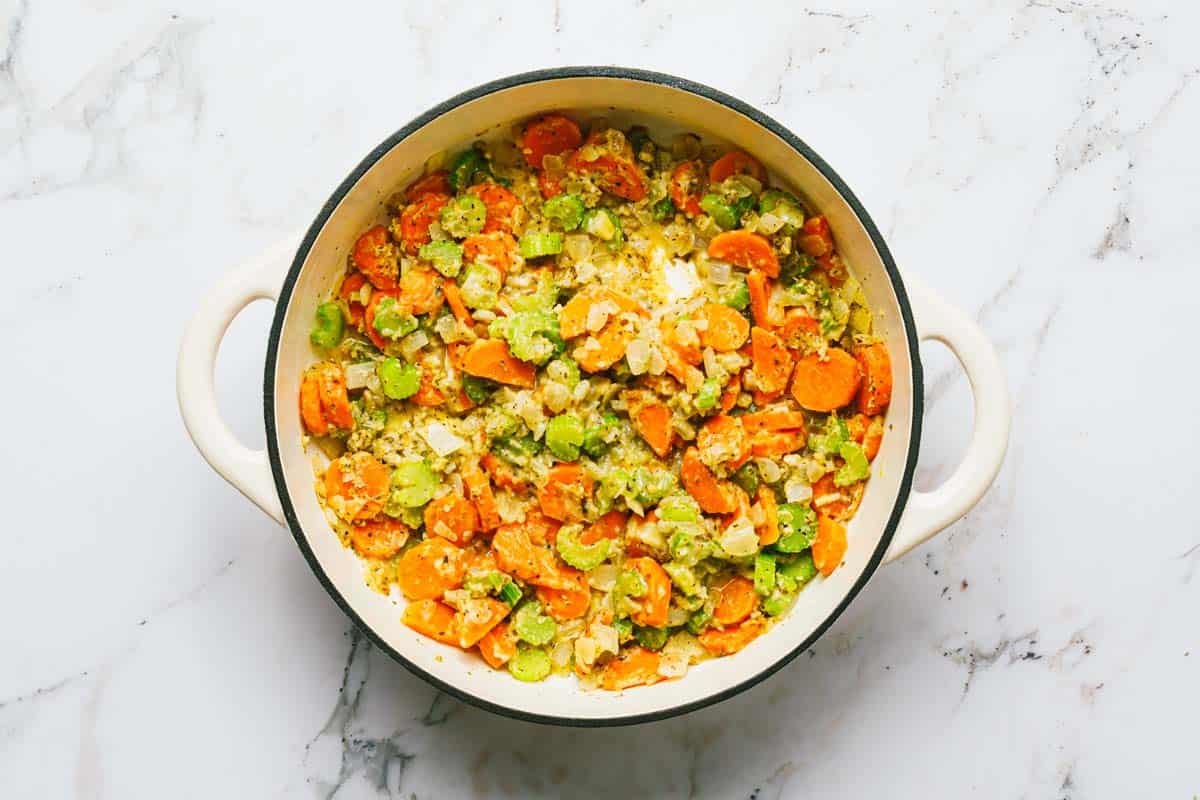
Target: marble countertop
x=1034, y=161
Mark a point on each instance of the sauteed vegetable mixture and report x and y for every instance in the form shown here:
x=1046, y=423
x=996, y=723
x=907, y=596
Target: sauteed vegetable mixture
x=593, y=402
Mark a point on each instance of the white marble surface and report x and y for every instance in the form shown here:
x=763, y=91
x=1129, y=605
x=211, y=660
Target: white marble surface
x=1035, y=161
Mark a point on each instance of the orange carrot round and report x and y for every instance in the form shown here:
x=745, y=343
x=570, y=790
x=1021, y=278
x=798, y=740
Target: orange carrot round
x=494, y=249
x=759, y=288
x=457, y=307
x=816, y=238
x=415, y=220
x=490, y=358
x=685, y=187
x=635, y=666
x=550, y=135
x=351, y=294
x=433, y=619
x=379, y=538
x=653, y=422
x=437, y=182
x=451, y=517
x=825, y=384
x=375, y=257
x=561, y=496
x=431, y=568
x=501, y=205
x=829, y=548
x=731, y=640
x=310, y=404
x=745, y=249
x=478, y=619
x=735, y=162
x=481, y=492
x=724, y=435
x=609, y=526
x=335, y=402
x=875, y=393
x=421, y=290
x=356, y=486
x=564, y=604
x=736, y=600
x=768, y=532
x=656, y=602
x=713, y=495
x=772, y=361
x=726, y=330
x=498, y=646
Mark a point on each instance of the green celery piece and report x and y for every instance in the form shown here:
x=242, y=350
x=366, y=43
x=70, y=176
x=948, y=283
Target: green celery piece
x=530, y=664
x=329, y=327
x=580, y=556
x=531, y=625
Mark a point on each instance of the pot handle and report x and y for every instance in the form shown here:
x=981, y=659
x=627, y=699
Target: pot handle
x=248, y=470
x=929, y=512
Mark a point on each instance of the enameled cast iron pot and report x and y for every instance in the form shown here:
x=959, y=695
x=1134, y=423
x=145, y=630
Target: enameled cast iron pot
x=298, y=273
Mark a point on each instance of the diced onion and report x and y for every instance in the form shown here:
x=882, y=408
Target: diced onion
x=739, y=539
x=677, y=616
x=638, y=356
x=797, y=491
x=413, y=343
x=674, y=665
x=441, y=439
x=605, y=637
x=603, y=577
x=768, y=470
x=577, y=246
x=719, y=273
x=561, y=654
x=357, y=375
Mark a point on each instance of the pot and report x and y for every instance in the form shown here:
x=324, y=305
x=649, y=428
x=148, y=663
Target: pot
x=298, y=272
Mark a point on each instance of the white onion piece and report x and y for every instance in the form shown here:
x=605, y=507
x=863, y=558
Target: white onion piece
x=719, y=273
x=739, y=539
x=441, y=439
x=797, y=491
x=357, y=375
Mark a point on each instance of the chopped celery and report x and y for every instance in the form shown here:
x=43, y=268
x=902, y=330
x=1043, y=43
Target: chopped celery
x=856, y=468
x=747, y=477
x=413, y=484
x=679, y=508
x=624, y=629
x=688, y=549
x=683, y=577
x=446, y=256
x=649, y=485
x=563, y=370
x=531, y=335
x=698, y=621
x=604, y=224
x=510, y=593
x=783, y=205
x=468, y=168
x=530, y=664
x=478, y=389
x=797, y=527
x=663, y=210
x=596, y=439
x=830, y=442
x=795, y=267
x=650, y=638
x=540, y=243
x=565, y=209
x=516, y=450
x=802, y=570
x=580, y=556
x=564, y=436
x=480, y=286
x=777, y=602
x=630, y=584
x=764, y=573
x=542, y=300
x=531, y=625
x=612, y=485
x=463, y=216
x=399, y=379
x=392, y=320
x=722, y=213
x=328, y=329
x=737, y=294
x=708, y=395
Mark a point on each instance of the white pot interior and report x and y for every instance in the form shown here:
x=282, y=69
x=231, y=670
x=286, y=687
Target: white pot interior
x=664, y=109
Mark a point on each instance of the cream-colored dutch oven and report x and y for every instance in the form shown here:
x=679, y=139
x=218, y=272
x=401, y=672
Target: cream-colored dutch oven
x=893, y=517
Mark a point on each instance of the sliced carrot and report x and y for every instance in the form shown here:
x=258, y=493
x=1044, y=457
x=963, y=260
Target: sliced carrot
x=550, y=185
x=760, y=304
x=379, y=538
x=454, y=300
x=573, y=319
x=490, y=358
x=837, y=508
x=829, y=548
x=433, y=619
x=351, y=294
x=745, y=249
x=414, y=221
x=713, y=495
x=772, y=361
x=685, y=187
x=825, y=384
x=356, y=486
x=502, y=474
x=768, y=532
x=335, y=402
x=428, y=395
x=421, y=290
x=540, y=528
x=610, y=526
x=769, y=444
x=517, y=555
x=736, y=600
x=376, y=257
x=635, y=666
x=310, y=404
x=690, y=352
x=437, y=182
x=655, y=604
x=735, y=162
x=477, y=618
x=833, y=268
x=730, y=395
x=724, y=440
x=431, y=568
x=726, y=329
x=772, y=421
x=816, y=238
x=495, y=249
x=501, y=205
x=653, y=422
x=606, y=348
x=498, y=646
x=481, y=492
x=799, y=327
x=564, y=604
x=731, y=640
x=550, y=135
x=451, y=517
x=618, y=176
x=369, y=315
x=561, y=496
x=875, y=393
